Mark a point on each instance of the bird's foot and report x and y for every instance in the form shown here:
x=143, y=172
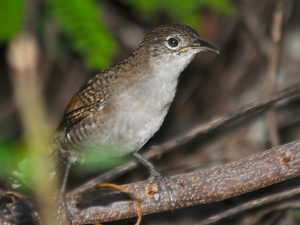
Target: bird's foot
x=165, y=183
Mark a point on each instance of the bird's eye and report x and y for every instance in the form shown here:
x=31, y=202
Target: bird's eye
x=172, y=42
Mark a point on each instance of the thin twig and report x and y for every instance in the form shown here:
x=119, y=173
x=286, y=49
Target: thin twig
x=199, y=187
x=278, y=207
x=272, y=123
x=251, y=23
x=250, y=205
x=200, y=129
x=122, y=190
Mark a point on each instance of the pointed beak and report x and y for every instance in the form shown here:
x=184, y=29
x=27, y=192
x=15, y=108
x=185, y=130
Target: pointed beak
x=206, y=46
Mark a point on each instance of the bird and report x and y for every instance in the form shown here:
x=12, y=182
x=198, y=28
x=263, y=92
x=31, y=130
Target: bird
x=124, y=105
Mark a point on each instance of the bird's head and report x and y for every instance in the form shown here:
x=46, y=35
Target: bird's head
x=174, y=46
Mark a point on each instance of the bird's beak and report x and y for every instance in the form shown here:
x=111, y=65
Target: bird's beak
x=203, y=45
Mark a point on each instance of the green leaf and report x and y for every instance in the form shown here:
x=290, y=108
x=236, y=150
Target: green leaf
x=6, y=158
x=14, y=167
x=100, y=158
x=225, y=7
x=297, y=214
x=11, y=18
x=81, y=22
x=186, y=12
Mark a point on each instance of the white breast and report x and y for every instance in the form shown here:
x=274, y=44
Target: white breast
x=140, y=113
x=140, y=110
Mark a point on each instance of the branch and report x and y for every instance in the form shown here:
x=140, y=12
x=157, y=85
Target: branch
x=199, y=187
x=250, y=205
x=200, y=129
x=270, y=84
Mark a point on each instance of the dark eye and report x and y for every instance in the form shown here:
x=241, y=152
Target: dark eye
x=172, y=42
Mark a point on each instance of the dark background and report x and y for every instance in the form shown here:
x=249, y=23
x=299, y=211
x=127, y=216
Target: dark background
x=75, y=39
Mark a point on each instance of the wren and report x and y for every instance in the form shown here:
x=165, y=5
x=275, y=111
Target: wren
x=123, y=106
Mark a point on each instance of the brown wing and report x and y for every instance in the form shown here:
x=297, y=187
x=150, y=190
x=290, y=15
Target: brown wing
x=81, y=107
x=75, y=112
x=80, y=110
x=91, y=98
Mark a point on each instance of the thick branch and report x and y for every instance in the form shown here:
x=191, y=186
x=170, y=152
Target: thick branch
x=199, y=187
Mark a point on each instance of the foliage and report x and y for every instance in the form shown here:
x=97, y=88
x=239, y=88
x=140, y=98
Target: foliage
x=14, y=166
x=11, y=18
x=80, y=21
x=297, y=214
x=186, y=12
x=17, y=171
x=99, y=159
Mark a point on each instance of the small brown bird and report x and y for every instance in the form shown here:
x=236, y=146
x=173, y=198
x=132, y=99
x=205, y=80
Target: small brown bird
x=124, y=105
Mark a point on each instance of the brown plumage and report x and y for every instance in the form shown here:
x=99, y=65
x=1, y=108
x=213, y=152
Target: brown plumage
x=125, y=104
x=119, y=109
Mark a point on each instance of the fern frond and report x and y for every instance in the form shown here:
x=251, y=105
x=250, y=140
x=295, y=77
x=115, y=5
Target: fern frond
x=81, y=22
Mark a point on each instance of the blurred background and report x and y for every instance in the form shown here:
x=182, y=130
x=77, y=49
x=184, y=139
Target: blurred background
x=49, y=48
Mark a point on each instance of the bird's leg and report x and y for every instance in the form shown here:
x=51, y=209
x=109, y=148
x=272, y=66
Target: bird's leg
x=157, y=176
x=63, y=209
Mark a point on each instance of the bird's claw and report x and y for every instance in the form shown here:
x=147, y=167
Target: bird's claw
x=165, y=182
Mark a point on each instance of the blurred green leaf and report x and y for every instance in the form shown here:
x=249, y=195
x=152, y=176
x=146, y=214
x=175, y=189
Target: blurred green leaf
x=81, y=22
x=14, y=167
x=11, y=18
x=6, y=158
x=100, y=158
x=225, y=7
x=297, y=214
x=186, y=12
